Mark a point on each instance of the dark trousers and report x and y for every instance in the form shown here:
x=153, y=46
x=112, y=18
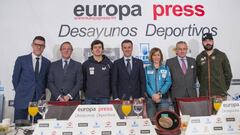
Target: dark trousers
x=22, y=114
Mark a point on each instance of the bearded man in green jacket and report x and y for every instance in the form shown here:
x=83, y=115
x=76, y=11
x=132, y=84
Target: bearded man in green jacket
x=213, y=69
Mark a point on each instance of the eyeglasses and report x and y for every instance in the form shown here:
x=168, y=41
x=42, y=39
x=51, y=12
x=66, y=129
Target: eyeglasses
x=39, y=45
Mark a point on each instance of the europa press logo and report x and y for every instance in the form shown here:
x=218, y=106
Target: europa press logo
x=106, y=11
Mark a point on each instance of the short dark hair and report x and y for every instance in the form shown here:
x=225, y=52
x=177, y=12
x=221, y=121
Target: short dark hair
x=97, y=42
x=126, y=41
x=39, y=38
x=154, y=50
x=66, y=42
x=181, y=42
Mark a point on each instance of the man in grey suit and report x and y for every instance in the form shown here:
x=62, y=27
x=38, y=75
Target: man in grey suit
x=183, y=73
x=65, y=77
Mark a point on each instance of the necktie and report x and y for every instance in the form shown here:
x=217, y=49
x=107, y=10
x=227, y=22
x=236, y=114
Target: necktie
x=37, y=67
x=184, y=67
x=65, y=66
x=36, y=71
x=128, y=66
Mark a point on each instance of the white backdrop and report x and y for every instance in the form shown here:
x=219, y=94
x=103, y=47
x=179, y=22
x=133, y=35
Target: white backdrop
x=147, y=23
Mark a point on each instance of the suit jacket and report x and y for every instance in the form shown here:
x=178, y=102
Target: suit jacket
x=128, y=85
x=25, y=82
x=60, y=83
x=182, y=85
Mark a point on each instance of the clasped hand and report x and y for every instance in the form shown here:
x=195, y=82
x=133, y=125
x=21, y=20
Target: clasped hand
x=156, y=97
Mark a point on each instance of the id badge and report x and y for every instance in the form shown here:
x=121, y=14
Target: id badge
x=91, y=70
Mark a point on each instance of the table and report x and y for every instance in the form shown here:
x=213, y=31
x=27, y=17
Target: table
x=63, y=110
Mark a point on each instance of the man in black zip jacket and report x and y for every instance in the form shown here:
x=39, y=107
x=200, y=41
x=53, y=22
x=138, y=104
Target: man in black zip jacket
x=97, y=75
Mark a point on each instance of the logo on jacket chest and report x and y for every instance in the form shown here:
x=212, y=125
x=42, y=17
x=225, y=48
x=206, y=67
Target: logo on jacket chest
x=91, y=70
x=104, y=68
x=163, y=73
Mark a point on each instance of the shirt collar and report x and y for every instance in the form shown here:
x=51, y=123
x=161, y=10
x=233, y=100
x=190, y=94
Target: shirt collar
x=125, y=58
x=179, y=58
x=34, y=56
x=66, y=60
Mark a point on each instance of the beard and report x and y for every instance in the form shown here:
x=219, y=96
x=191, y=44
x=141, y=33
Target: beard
x=208, y=47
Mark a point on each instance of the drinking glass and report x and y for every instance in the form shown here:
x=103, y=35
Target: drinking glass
x=137, y=106
x=42, y=108
x=217, y=102
x=33, y=110
x=126, y=107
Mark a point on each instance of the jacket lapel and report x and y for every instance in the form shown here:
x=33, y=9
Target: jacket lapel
x=60, y=65
x=134, y=66
x=43, y=65
x=177, y=64
x=30, y=61
x=70, y=64
x=189, y=65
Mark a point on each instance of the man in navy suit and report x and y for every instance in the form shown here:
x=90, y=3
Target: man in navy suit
x=128, y=76
x=29, y=78
x=65, y=77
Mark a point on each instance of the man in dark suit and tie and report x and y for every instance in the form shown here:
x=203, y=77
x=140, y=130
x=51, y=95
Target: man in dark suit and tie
x=29, y=78
x=183, y=73
x=128, y=76
x=65, y=77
